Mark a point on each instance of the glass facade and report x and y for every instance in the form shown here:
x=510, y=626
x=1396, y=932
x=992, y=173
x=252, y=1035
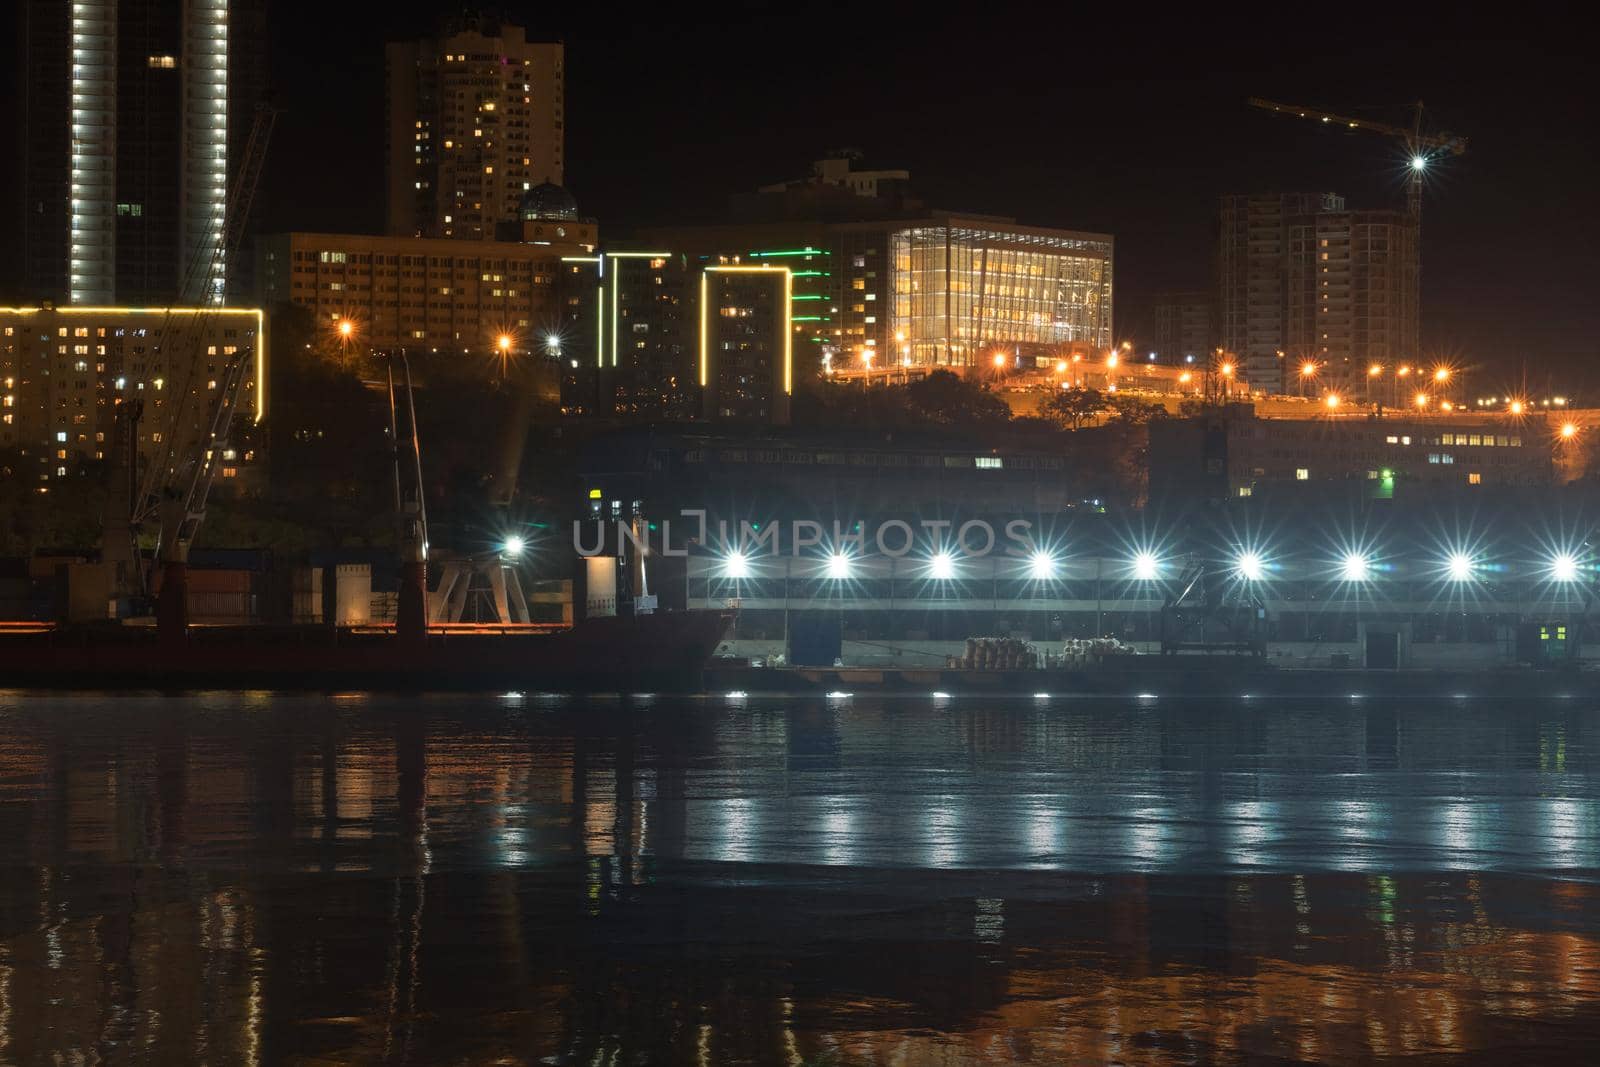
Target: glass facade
x=959, y=291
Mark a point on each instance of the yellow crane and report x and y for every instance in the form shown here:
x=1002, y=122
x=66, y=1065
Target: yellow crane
x=1424, y=147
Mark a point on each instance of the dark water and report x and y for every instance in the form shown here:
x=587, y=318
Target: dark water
x=246, y=878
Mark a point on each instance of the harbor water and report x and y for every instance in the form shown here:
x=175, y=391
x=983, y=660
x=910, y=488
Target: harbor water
x=241, y=878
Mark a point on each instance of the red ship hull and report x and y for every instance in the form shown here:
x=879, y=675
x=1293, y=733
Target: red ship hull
x=665, y=651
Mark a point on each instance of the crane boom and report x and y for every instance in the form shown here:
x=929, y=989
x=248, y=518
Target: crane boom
x=175, y=487
x=1413, y=137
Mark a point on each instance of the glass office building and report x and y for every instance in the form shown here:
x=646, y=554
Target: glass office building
x=965, y=288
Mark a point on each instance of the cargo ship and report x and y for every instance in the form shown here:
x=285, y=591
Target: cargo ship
x=661, y=651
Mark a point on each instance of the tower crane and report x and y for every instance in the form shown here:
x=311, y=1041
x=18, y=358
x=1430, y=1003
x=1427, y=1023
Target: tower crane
x=176, y=484
x=1422, y=146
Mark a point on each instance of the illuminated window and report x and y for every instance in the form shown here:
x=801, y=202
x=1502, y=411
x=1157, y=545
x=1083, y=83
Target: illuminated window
x=1302, y=474
x=1244, y=490
x=1474, y=478
x=162, y=63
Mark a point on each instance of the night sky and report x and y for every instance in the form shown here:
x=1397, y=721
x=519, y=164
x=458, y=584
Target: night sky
x=1131, y=125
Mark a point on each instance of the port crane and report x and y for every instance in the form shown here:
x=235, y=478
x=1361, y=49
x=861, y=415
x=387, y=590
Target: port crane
x=172, y=495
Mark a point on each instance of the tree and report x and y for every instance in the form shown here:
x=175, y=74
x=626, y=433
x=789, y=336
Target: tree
x=1133, y=411
x=1073, y=408
x=949, y=400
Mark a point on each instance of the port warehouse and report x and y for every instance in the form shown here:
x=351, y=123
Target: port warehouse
x=1085, y=584
x=893, y=611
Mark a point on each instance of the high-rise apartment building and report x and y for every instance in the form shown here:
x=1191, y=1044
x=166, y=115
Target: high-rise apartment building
x=1352, y=292
x=133, y=117
x=1252, y=279
x=662, y=336
x=1302, y=279
x=475, y=119
x=1183, y=326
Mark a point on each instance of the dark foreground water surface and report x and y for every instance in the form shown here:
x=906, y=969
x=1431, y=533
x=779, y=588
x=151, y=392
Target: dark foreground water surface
x=245, y=878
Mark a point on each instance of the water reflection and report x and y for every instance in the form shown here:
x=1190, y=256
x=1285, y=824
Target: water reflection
x=254, y=878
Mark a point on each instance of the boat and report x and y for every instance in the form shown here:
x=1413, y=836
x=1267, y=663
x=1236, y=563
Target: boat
x=656, y=652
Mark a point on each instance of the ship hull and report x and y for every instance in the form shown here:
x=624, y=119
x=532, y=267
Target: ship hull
x=660, y=652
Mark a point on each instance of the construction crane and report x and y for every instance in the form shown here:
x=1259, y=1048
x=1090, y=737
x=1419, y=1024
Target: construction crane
x=176, y=485
x=1422, y=146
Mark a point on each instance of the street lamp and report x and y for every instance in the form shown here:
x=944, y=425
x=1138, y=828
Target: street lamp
x=1308, y=370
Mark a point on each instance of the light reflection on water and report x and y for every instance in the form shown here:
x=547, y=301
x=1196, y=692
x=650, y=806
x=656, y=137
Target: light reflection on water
x=255, y=878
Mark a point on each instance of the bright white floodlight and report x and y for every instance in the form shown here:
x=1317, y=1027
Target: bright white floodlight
x=1460, y=566
x=942, y=567
x=514, y=546
x=1564, y=568
x=1146, y=566
x=1418, y=163
x=1248, y=566
x=1042, y=566
x=1355, y=567
x=736, y=565
x=838, y=565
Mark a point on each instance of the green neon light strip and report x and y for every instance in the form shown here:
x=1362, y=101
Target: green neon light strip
x=813, y=274
x=810, y=298
x=806, y=318
x=790, y=252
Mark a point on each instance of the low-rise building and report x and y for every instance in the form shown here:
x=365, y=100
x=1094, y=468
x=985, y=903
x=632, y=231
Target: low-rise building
x=1233, y=453
x=434, y=293
x=66, y=371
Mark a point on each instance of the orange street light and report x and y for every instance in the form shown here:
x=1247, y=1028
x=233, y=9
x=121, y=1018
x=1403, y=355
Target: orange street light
x=1307, y=369
x=1442, y=374
x=999, y=361
x=1111, y=359
x=1227, y=370
x=1332, y=401
x=346, y=328
x=1403, y=371
x=1445, y=405
x=1061, y=366
x=1422, y=400
x=1516, y=407
x=1185, y=377
x=504, y=343
x=1374, y=370
x=1569, y=430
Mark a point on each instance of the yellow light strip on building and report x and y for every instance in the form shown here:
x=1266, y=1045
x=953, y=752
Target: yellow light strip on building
x=703, y=339
x=616, y=295
x=600, y=328
x=788, y=325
